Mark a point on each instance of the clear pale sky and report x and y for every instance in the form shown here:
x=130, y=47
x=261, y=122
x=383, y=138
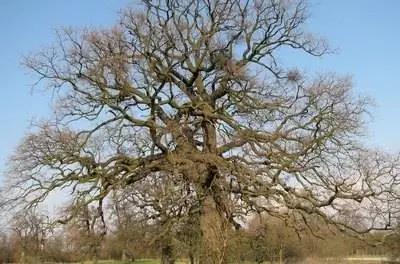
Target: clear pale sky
x=365, y=32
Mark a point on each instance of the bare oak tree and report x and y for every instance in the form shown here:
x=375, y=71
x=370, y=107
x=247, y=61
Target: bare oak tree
x=194, y=90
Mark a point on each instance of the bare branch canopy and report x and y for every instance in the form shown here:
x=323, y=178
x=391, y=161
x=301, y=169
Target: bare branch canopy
x=193, y=92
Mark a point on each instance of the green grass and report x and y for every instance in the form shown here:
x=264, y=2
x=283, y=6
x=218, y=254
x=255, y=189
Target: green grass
x=139, y=261
x=146, y=261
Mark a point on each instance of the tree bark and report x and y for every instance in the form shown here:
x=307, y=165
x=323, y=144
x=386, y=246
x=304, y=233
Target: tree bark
x=167, y=255
x=191, y=258
x=214, y=235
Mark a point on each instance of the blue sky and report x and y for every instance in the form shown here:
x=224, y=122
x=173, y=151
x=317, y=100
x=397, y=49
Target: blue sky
x=365, y=32
x=27, y=26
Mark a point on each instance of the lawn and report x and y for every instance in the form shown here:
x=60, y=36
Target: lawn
x=138, y=261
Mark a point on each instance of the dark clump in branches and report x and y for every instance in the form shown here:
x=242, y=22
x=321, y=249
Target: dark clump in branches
x=190, y=95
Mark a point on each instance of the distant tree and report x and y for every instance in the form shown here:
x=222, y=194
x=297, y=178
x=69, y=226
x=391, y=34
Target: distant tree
x=273, y=240
x=57, y=249
x=86, y=231
x=161, y=204
x=6, y=250
x=391, y=243
x=127, y=233
x=195, y=91
x=31, y=230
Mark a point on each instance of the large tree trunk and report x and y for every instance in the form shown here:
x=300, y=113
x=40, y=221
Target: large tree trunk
x=214, y=231
x=167, y=255
x=191, y=258
x=193, y=253
x=212, y=225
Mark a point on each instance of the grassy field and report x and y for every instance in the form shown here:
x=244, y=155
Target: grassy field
x=352, y=260
x=146, y=261
x=139, y=261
